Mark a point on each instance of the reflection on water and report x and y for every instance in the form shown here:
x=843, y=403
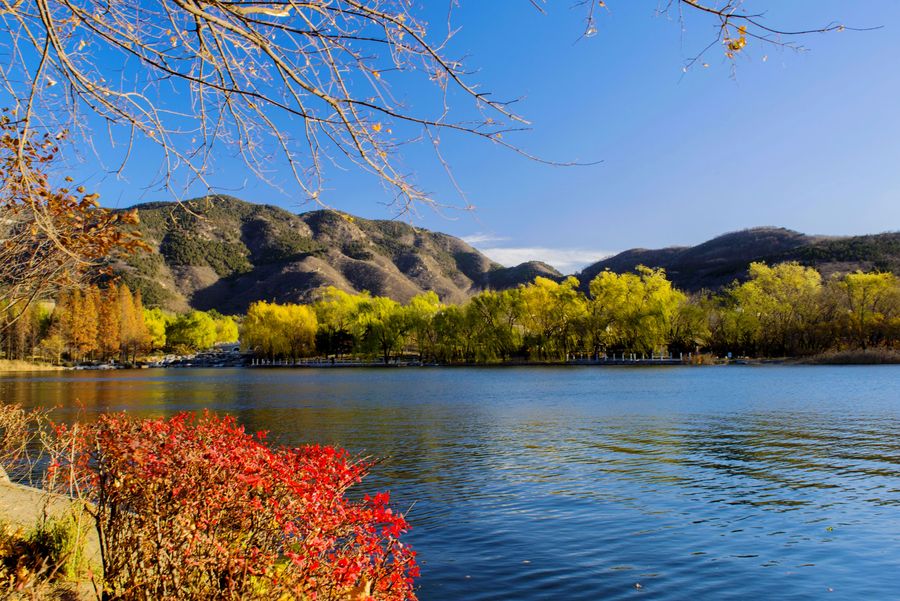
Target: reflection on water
x=580, y=483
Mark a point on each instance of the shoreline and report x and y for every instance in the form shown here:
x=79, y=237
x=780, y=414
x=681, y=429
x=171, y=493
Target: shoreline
x=878, y=357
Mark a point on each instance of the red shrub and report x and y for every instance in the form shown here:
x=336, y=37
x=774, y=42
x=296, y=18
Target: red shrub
x=196, y=508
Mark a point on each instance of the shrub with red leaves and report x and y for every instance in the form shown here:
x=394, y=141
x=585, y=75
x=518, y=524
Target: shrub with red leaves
x=196, y=508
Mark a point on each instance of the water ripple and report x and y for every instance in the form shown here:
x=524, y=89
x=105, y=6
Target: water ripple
x=589, y=483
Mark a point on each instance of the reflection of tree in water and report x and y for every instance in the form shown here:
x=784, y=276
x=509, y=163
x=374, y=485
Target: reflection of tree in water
x=81, y=395
x=421, y=452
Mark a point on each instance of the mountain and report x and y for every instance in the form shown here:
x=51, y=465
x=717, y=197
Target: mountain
x=720, y=261
x=223, y=253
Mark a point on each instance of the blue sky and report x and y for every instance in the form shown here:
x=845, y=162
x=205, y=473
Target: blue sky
x=809, y=141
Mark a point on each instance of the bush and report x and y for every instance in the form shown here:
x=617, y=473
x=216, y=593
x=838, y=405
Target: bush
x=195, y=508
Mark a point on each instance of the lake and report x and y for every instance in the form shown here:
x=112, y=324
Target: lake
x=583, y=483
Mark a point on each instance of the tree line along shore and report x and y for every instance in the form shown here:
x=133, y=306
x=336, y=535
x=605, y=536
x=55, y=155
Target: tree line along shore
x=786, y=310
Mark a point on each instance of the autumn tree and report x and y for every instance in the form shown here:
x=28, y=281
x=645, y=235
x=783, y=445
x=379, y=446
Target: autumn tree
x=690, y=326
x=420, y=312
x=550, y=314
x=108, y=323
x=498, y=315
x=336, y=312
x=456, y=335
x=21, y=332
x=226, y=327
x=279, y=331
x=83, y=334
x=868, y=305
x=781, y=307
x=633, y=311
x=380, y=327
x=50, y=235
x=130, y=322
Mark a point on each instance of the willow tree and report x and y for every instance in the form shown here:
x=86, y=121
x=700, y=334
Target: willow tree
x=782, y=306
x=633, y=311
x=380, y=327
x=869, y=306
x=551, y=315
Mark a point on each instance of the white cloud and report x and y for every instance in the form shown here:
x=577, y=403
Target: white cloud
x=480, y=238
x=567, y=260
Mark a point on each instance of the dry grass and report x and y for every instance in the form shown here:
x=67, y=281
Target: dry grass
x=46, y=561
x=14, y=366
x=857, y=357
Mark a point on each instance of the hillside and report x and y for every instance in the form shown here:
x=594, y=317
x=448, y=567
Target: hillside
x=225, y=253
x=720, y=261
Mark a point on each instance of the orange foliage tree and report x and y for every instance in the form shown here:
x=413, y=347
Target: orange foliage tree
x=49, y=235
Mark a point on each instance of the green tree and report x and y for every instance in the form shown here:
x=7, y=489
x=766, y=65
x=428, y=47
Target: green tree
x=156, y=321
x=420, y=312
x=456, y=334
x=380, y=327
x=498, y=316
x=336, y=315
x=690, y=325
x=191, y=332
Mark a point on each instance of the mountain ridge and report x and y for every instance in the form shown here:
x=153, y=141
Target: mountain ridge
x=721, y=260
x=224, y=253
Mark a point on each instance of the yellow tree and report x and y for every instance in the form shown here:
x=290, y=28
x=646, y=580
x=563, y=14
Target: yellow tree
x=226, y=327
x=380, y=327
x=129, y=329
x=299, y=325
x=420, y=312
x=142, y=333
x=108, y=323
x=156, y=320
x=633, y=311
x=261, y=334
x=781, y=307
x=84, y=322
x=279, y=331
x=868, y=303
x=192, y=331
x=336, y=314
x=497, y=315
x=551, y=312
